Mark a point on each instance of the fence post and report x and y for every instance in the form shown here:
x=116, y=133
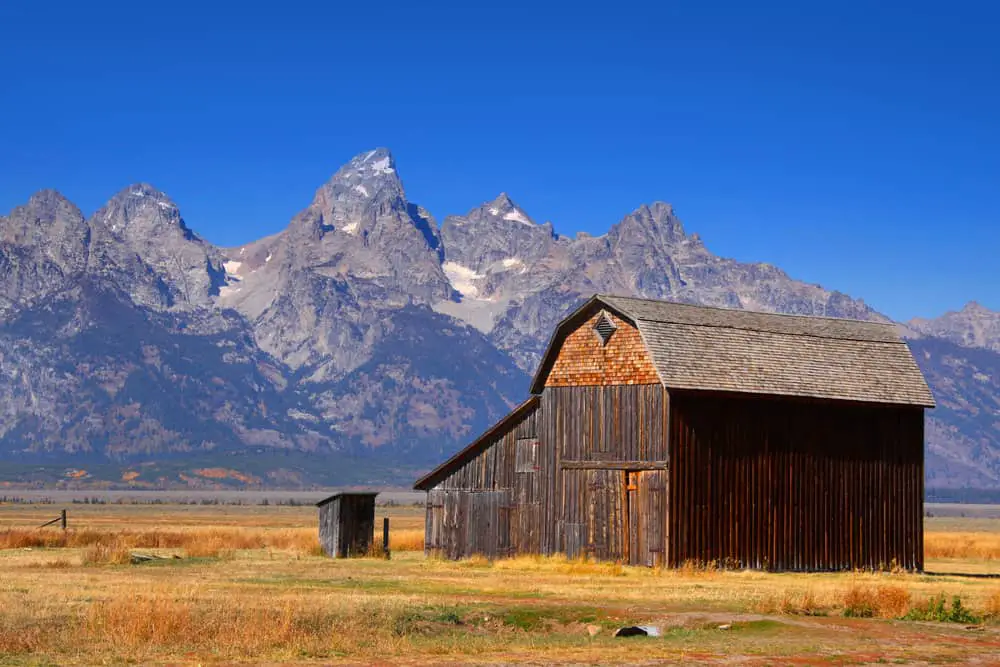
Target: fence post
x=63, y=519
x=385, y=536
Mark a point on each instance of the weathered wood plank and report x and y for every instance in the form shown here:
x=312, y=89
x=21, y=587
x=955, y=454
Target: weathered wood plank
x=613, y=465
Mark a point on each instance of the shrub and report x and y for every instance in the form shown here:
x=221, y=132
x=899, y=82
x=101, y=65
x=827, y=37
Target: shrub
x=936, y=609
x=804, y=604
x=870, y=601
x=892, y=601
x=859, y=602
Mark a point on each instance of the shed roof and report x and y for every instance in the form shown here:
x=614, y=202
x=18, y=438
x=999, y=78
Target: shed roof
x=340, y=494
x=718, y=349
x=473, y=448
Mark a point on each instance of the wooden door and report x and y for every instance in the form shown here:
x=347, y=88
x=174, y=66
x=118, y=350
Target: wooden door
x=647, y=517
x=606, y=515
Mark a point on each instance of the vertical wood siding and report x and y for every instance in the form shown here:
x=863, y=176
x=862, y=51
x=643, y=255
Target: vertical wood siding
x=795, y=485
x=347, y=525
x=494, y=503
x=610, y=448
x=607, y=423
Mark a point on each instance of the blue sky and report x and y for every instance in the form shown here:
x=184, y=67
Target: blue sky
x=854, y=146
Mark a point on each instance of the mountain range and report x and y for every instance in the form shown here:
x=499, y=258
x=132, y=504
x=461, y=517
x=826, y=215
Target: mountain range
x=362, y=342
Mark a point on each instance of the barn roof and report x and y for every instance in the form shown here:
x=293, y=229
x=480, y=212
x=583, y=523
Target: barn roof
x=718, y=349
x=474, y=448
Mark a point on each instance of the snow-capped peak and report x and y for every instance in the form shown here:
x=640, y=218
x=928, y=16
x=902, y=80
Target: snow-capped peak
x=504, y=207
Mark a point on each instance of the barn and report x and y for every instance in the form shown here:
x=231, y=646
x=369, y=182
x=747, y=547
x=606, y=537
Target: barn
x=659, y=433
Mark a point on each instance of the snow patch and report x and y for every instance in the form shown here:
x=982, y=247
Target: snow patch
x=362, y=190
x=243, y=251
x=461, y=278
x=232, y=267
x=369, y=156
x=351, y=228
x=517, y=216
x=226, y=290
x=381, y=166
x=513, y=262
x=494, y=210
x=137, y=193
x=268, y=258
x=163, y=204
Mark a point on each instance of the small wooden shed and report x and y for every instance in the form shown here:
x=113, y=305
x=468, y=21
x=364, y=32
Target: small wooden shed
x=347, y=523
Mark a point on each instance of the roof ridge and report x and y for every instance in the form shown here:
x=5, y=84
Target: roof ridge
x=744, y=310
x=898, y=341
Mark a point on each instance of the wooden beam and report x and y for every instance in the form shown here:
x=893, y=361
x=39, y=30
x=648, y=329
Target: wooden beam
x=613, y=465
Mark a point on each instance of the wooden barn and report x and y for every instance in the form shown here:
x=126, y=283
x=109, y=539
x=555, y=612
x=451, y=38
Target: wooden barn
x=659, y=433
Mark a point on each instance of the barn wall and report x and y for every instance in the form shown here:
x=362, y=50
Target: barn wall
x=795, y=485
x=583, y=360
x=624, y=423
x=610, y=447
x=495, y=504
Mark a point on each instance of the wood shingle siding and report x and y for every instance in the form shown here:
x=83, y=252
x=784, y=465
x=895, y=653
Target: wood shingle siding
x=583, y=360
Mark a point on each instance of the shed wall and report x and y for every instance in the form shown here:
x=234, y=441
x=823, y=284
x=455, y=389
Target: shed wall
x=347, y=525
x=795, y=485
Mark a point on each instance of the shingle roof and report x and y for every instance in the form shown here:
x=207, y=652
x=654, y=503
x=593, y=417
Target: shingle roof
x=716, y=349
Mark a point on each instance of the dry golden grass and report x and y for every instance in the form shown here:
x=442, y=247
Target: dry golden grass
x=198, y=542
x=405, y=539
x=867, y=601
x=260, y=591
x=980, y=546
x=115, y=552
x=992, y=607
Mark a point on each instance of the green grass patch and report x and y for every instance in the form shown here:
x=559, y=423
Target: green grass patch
x=936, y=609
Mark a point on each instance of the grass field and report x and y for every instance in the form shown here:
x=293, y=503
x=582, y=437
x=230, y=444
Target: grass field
x=249, y=585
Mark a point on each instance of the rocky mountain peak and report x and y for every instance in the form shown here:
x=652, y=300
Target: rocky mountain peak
x=976, y=308
x=48, y=229
x=367, y=178
x=49, y=199
x=974, y=325
x=143, y=221
x=47, y=214
x=504, y=208
x=650, y=225
x=141, y=209
x=495, y=237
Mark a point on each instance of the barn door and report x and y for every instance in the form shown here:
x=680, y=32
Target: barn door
x=607, y=517
x=526, y=523
x=647, y=518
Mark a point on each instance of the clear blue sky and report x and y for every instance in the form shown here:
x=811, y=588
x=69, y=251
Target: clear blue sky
x=854, y=146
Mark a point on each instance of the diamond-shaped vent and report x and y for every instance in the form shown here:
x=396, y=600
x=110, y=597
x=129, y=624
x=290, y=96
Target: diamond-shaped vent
x=604, y=328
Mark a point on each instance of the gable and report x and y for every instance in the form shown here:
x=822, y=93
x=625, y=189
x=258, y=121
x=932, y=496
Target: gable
x=488, y=462
x=583, y=359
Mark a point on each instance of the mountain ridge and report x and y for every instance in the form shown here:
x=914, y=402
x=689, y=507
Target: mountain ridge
x=363, y=328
